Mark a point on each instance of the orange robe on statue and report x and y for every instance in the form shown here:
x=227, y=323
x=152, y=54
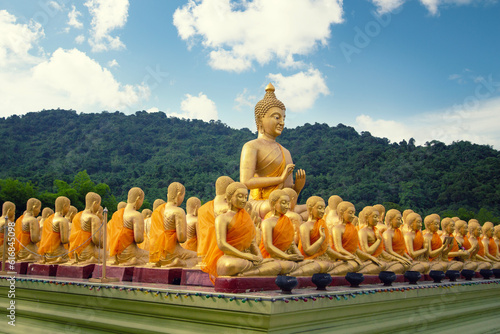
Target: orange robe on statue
x=380, y=247
x=467, y=245
x=283, y=234
x=398, y=242
x=263, y=193
x=240, y=235
x=191, y=244
x=350, y=239
x=78, y=239
x=492, y=247
x=314, y=236
x=436, y=243
x=120, y=237
x=50, y=239
x=480, y=252
x=23, y=237
x=162, y=241
x=206, y=228
x=418, y=241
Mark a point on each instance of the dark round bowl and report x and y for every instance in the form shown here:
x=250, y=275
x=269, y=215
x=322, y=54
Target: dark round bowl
x=496, y=272
x=387, y=277
x=321, y=280
x=437, y=275
x=452, y=275
x=486, y=273
x=468, y=274
x=286, y=283
x=412, y=276
x=354, y=279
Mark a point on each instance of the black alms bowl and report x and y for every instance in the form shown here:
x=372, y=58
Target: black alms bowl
x=452, y=275
x=437, y=275
x=486, y=273
x=355, y=279
x=286, y=283
x=321, y=280
x=468, y=274
x=387, y=277
x=412, y=276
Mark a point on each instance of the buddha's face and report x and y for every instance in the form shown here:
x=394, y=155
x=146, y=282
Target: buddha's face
x=318, y=210
x=36, y=209
x=416, y=225
x=396, y=221
x=450, y=227
x=273, y=122
x=477, y=232
x=489, y=232
x=497, y=234
x=348, y=215
x=434, y=226
x=463, y=230
x=239, y=198
x=372, y=219
x=282, y=205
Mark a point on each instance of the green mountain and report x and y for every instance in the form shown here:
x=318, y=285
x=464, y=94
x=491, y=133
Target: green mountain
x=46, y=153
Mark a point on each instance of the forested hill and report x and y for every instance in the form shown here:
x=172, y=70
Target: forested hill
x=151, y=150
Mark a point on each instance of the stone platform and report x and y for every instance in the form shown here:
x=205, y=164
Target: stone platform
x=157, y=275
x=56, y=305
x=19, y=267
x=75, y=271
x=42, y=269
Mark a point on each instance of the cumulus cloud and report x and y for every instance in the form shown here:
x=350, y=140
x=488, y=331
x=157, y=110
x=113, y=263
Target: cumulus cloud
x=107, y=15
x=79, y=39
x=65, y=79
x=244, y=100
x=475, y=121
x=197, y=107
x=113, y=63
x=239, y=34
x=299, y=91
x=73, y=18
x=384, y=6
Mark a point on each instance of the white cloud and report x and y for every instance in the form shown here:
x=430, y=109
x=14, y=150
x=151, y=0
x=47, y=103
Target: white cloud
x=73, y=18
x=384, y=6
x=244, y=100
x=153, y=110
x=197, y=107
x=240, y=34
x=79, y=39
x=107, y=15
x=475, y=121
x=16, y=40
x=113, y=63
x=299, y=91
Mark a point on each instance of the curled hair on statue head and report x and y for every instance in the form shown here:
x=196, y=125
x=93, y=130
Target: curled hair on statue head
x=231, y=189
x=275, y=196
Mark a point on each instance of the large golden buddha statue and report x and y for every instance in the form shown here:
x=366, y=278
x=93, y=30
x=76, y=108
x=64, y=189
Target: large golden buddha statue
x=236, y=252
x=265, y=165
x=168, y=230
x=126, y=230
x=56, y=234
x=28, y=232
x=9, y=211
x=83, y=239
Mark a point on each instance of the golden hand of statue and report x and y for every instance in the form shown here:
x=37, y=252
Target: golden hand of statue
x=288, y=170
x=300, y=180
x=322, y=233
x=377, y=262
x=295, y=257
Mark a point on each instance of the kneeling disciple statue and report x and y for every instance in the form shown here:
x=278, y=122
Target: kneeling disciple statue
x=475, y=241
x=489, y=245
x=236, y=252
x=9, y=211
x=315, y=242
x=438, y=249
x=168, y=230
x=56, y=234
x=126, y=230
x=28, y=232
x=192, y=206
x=278, y=239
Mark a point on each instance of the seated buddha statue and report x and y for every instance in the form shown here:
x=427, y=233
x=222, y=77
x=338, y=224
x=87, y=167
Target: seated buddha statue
x=146, y=214
x=331, y=216
x=236, y=252
x=475, y=242
x=456, y=256
x=372, y=243
x=294, y=217
x=84, y=241
x=46, y=213
x=278, y=239
x=168, y=231
x=28, y=232
x=345, y=240
x=265, y=165
x=394, y=242
x=192, y=206
x=489, y=245
x=56, y=234
x=126, y=230
x=414, y=241
x=9, y=211
x=405, y=228
x=70, y=215
x=460, y=234
x=496, y=237
x=206, y=216
x=314, y=242
x=381, y=227
x=438, y=249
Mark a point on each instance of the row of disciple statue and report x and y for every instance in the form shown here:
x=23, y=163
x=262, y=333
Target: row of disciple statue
x=254, y=227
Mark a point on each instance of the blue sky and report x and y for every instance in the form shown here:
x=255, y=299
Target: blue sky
x=427, y=69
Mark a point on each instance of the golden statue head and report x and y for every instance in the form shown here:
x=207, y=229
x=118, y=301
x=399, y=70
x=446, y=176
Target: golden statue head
x=175, y=191
x=381, y=211
x=62, y=205
x=391, y=215
x=221, y=185
x=334, y=201
x=267, y=103
x=146, y=213
x=46, y=212
x=192, y=205
x=157, y=203
x=461, y=227
x=412, y=218
x=8, y=209
x=231, y=190
x=136, y=197
x=92, y=201
x=486, y=227
x=33, y=206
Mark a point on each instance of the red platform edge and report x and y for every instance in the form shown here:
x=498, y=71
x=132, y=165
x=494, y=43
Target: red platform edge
x=122, y=273
x=157, y=275
x=20, y=268
x=42, y=269
x=195, y=277
x=75, y=271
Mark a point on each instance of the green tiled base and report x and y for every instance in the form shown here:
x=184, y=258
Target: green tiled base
x=58, y=306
